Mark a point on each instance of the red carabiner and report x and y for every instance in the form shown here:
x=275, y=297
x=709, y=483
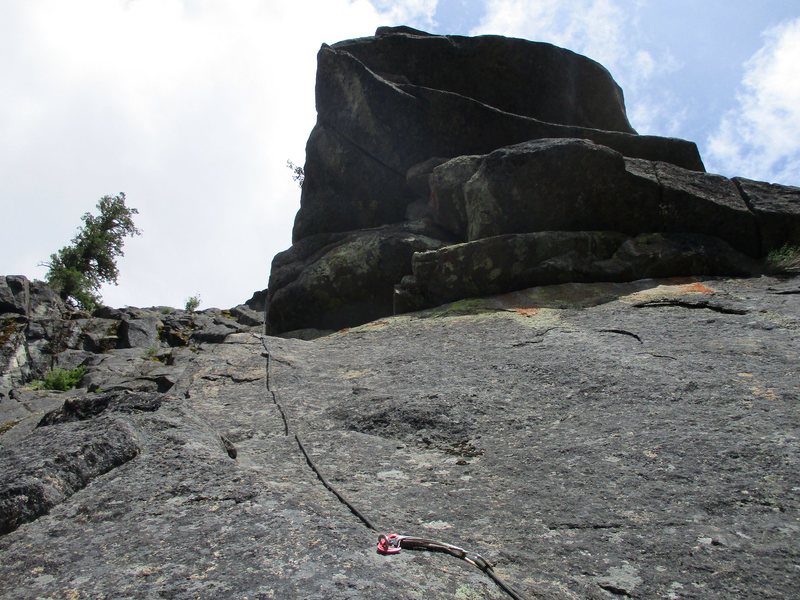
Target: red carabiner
x=389, y=544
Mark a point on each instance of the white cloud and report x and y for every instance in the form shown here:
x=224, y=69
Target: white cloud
x=418, y=12
x=604, y=30
x=760, y=138
x=191, y=107
x=587, y=26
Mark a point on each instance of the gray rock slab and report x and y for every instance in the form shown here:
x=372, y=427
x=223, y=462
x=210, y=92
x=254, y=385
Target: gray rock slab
x=645, y=446
x=589, y=440
x=51, y=465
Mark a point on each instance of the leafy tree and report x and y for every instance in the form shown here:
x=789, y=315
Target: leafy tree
x=77, y=271
x=192, y=302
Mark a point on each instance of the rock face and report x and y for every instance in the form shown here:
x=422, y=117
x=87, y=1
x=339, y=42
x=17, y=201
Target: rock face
x=330, y=279
x=588, y=440
x=589, y=433
x=466, y=139
x=129, y=349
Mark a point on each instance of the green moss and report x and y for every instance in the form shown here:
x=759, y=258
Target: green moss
x=7, y=329
x=6, y=425
x=785, y=259
x=469, y=306
x=60, y=379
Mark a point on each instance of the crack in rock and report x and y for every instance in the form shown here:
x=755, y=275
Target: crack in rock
x=726, y=310
x=622, y=332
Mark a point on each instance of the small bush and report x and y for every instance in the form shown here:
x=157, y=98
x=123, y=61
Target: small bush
x=298, y=174
x=192, y=303
x=60, y=379
x=785, y=259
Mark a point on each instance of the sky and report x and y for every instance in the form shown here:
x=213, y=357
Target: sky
x=193, y=107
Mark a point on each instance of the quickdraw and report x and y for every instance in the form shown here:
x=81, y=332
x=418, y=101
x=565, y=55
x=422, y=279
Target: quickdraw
x=393, y=543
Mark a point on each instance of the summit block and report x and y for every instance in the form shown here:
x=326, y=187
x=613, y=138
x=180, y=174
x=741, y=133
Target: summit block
x=426, y=141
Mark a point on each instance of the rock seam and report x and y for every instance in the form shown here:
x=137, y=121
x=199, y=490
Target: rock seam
x=487, y=569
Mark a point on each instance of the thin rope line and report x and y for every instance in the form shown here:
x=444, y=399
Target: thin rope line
x=487, y=569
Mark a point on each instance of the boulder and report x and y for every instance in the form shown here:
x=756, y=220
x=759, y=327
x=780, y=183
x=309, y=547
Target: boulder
x=511, y=262
x=338, y=280
x=777, y=211
x=139, y=333
x=532, y=79
x=576, y=185
x=14, y=294
x=214, y=333
x=247, y=316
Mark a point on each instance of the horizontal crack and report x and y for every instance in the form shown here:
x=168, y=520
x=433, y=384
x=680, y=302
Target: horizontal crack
x=586, y=526
x=657, y=355
x=233, y=378
x=726, y=310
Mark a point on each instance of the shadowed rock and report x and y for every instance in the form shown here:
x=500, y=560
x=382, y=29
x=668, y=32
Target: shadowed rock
x=531, y=79
x=331, y=281
x=777, y=211
x=577, y=185
x=371, y=130
x=513, y=262
x=489, y=136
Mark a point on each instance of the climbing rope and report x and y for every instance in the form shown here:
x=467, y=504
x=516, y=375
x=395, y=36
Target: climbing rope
x=393, y=543
x=312, y=465
x=387, y=544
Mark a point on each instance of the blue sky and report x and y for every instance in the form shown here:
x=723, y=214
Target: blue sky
x=192, y=107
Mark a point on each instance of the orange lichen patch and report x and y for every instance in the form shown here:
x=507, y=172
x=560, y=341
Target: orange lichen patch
x=697, y=288
x=525, y=312
x=669, y=291
x=376, y=325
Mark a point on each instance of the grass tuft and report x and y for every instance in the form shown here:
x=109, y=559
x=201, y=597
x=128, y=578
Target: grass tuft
x=785, y=259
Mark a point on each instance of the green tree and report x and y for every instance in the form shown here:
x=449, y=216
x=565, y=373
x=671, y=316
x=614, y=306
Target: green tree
x=77, y=271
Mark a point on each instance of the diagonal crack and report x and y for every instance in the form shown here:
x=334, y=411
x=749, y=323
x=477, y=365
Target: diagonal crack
x=622, y=332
